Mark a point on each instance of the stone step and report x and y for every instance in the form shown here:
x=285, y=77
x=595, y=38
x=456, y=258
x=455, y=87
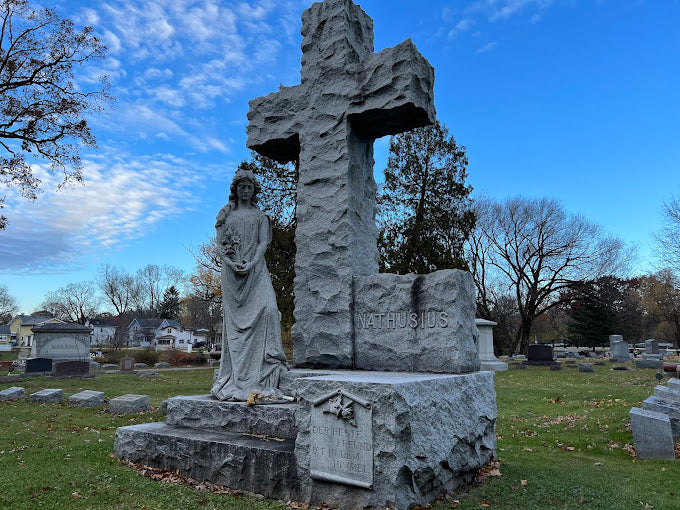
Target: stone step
x=206, y=412
x=238, y=461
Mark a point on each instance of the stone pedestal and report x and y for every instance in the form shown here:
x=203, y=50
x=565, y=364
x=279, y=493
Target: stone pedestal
x=355, y=439
x=487, y=358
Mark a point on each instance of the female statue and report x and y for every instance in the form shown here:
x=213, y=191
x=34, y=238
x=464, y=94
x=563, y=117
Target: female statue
x=252, y=354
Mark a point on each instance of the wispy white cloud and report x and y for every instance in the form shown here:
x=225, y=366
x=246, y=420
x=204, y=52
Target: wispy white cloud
x=122, y=199
x=487, y=47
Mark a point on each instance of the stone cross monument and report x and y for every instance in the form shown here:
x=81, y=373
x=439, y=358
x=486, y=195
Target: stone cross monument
x=348, y=96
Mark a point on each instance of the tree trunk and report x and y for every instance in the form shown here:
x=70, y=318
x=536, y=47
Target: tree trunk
x=524, y=335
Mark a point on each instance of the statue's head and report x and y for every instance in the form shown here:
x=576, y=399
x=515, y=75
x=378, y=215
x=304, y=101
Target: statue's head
x=239, y=176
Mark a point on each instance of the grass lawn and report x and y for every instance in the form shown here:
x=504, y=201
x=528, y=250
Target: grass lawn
x=563, y=442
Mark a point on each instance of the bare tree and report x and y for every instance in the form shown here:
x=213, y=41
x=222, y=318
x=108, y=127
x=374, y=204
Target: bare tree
x=118, y=286
x=151, y=282
x=8, y=305
x=668, y=239
x=661, y=299
x=75, y=302
x=533, y=250
x=42, y=110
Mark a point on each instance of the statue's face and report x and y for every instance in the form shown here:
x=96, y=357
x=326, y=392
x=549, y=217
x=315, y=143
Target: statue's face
x=245, y=190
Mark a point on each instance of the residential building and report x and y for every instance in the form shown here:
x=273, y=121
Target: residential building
x=21, y=328
x=103, y=330
x=164, y=334
x=5, y=336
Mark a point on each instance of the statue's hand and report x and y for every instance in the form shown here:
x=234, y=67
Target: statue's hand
x=244, y=267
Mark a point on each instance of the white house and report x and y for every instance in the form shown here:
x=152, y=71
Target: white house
x=164, y=334
x=103, y=330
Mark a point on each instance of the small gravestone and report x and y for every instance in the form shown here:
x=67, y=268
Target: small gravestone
x=651, y=347
x=652, y=434
x=540, y=354
x=127, y=365
x=129, y=404
x=619, y=349
x=622, y=368
x=46, y=396
x=162, y=364
x=11, y=394
x=586, y=367
x=669, y=408
x=666, y=393
x=556, y=366
x=674, y=384
x=649, y=363
x=72, y=368
x=110, y=366
x=141, y=365
x=87, y=398
x=38, y=366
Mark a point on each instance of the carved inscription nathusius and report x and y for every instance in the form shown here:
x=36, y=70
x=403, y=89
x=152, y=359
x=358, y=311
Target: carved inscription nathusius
x=342, y=440
x=403, y=319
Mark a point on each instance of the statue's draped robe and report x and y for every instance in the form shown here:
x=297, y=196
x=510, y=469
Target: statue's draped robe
x=252, y=354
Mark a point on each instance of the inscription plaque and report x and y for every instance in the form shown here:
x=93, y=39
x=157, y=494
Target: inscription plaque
x=342, y=440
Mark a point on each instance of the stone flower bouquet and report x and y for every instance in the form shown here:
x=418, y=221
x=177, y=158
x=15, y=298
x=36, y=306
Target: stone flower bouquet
x=231, y=247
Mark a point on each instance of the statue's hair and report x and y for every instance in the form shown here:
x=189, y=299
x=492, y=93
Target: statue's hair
x=238, y=177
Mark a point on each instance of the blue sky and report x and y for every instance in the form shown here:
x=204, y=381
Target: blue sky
x=571, y=99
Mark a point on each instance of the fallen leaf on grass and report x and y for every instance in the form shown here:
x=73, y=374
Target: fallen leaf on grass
x=485, y=504
x=75, y=495
x=523, y=482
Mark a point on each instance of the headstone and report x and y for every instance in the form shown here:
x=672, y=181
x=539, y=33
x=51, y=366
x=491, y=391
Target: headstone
x=162, y=364
x=11, y=394
x=586, y=367
x=129, y=404
x=619, y=348
x=110, y=366
x=666, y=393
x=73, y=368
x=540, y=354
x=38, y=366
x=674, y=384
x=649, y=363
x=669, y=408
x=87, y=398
x=141, y=365
x=487, y=357
x=61, y=341
x=556, y=366
x=652, y=434
x=46, y=396
x=622, y=368
x=651, y=347
x=127, y=364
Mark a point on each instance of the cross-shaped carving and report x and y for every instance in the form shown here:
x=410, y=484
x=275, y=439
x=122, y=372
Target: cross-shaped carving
x=348, y=96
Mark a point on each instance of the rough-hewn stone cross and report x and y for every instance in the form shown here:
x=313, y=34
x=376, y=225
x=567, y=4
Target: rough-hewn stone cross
x=348, y=96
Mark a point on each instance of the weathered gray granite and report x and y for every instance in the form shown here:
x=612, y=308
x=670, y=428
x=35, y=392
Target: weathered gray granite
x=348, y=96
x=674, y=384
x=428, y=435
x=61, y=341
x=651, y=346
x=586, y=367
x=649, y=363
x=667, y=393
x=141, y=365
x=13, y=393
x=207, y=412
x=162, y=364
x=47, y=396
x=110, y=366
x=416, y=323
x=254, y=464
x=129, y=404
x=619, y=348
x=87, y=398
x=669, y=408
x=652, y=434
x=487, y=358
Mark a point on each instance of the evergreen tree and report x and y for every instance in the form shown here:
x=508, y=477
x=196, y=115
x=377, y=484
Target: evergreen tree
x=425, y=212
x=169, y=307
